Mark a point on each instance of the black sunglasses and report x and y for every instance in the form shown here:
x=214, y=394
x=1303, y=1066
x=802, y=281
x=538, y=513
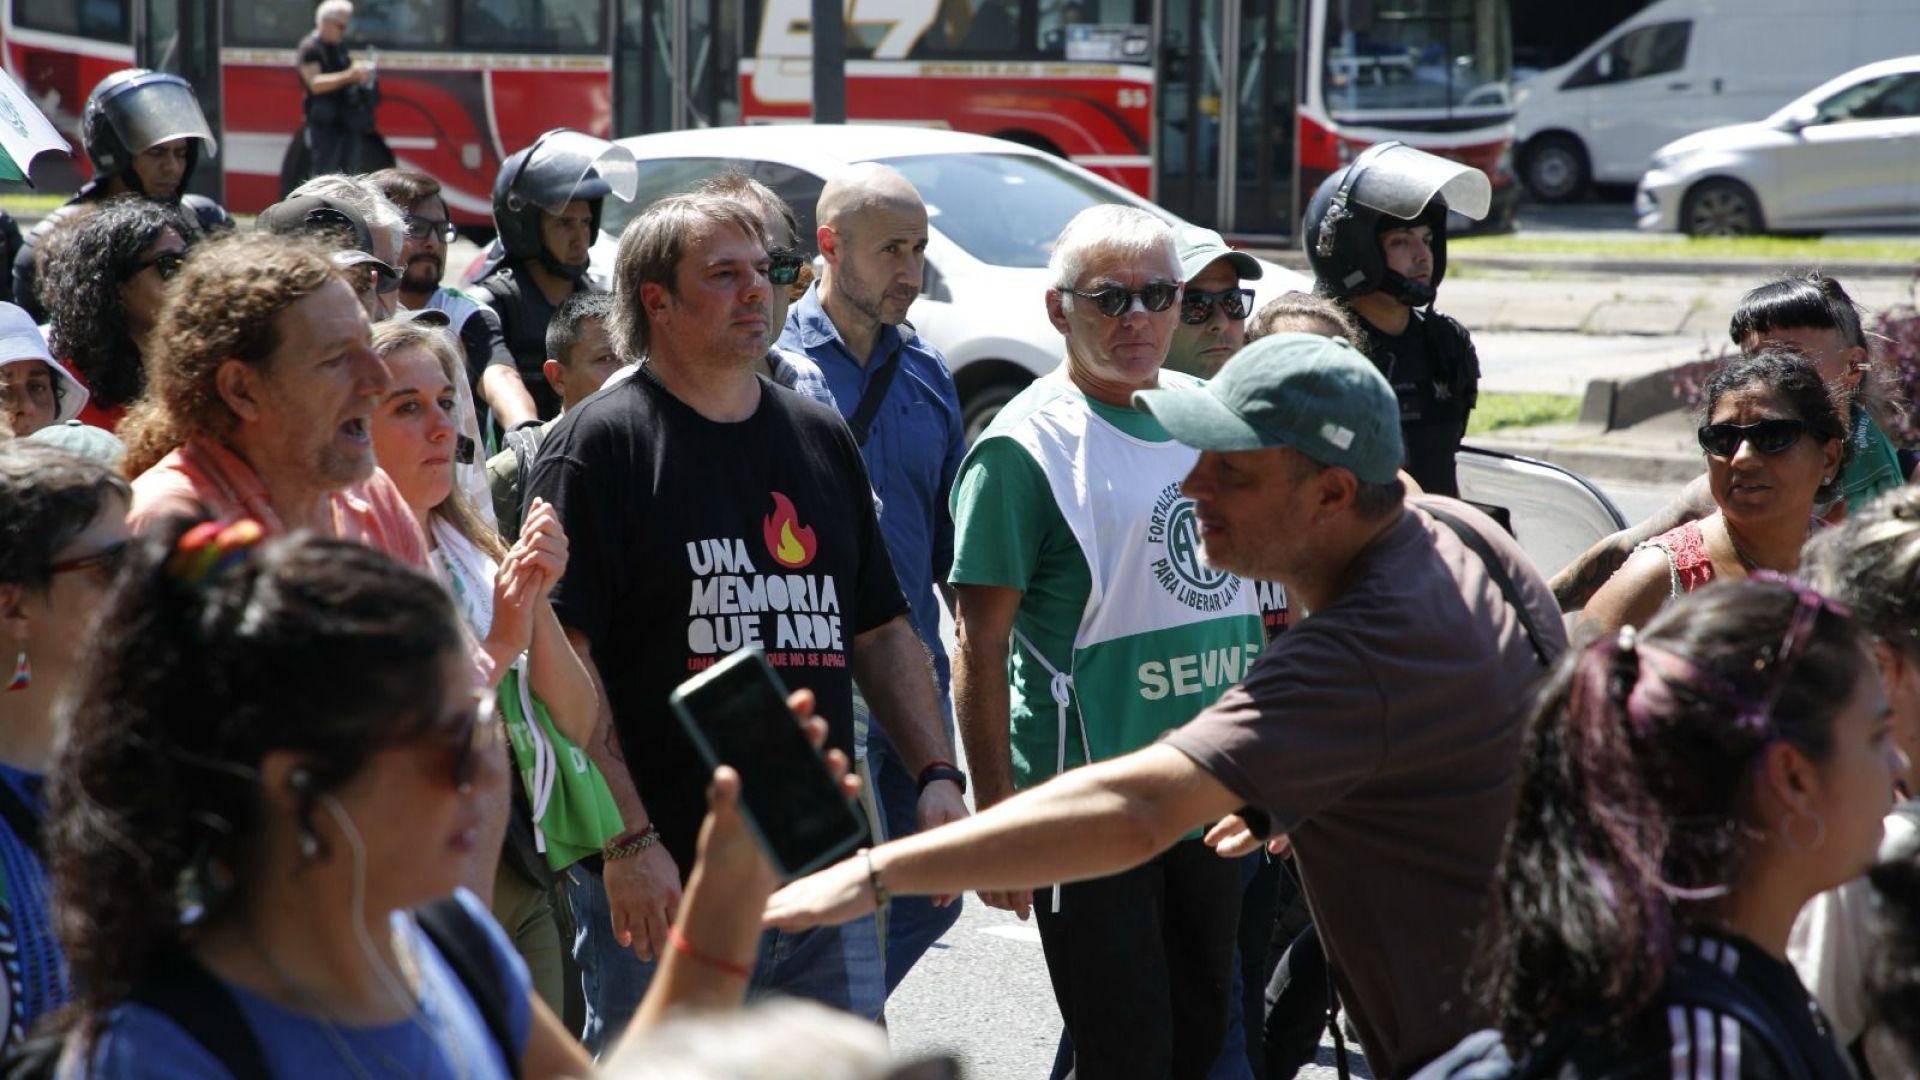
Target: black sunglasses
x=105, y=562
x=1114, y=301
x=467, y=736
x=1767, y=436
x=1197, y=307
x=783, y=267
x=419, y=228
x=166, y=264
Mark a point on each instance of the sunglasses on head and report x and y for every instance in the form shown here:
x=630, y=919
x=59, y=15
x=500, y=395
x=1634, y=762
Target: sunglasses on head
x=1767, y=436
x=783, y=267
x=1197, y=307
x=105, y=562
x=419, y=228
x=1114, y=301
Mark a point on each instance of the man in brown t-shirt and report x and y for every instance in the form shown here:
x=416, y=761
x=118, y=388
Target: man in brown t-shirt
x=1381, y=734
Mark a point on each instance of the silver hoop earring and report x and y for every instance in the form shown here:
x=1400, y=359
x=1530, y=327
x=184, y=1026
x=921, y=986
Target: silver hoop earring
x=1787, y=831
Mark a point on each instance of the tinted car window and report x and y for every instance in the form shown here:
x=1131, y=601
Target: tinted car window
x=1890, y=97
x=1656, y=49
x=1003, y=209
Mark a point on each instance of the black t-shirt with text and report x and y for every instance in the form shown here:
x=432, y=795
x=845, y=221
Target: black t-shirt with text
x=1436, y=388
x=689, y=539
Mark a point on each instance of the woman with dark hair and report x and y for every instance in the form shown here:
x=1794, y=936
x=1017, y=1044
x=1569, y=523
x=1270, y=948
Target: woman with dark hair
x=63, y=529
x=1871, y=563
x=106, y=274
x=278, y=756
x=1774, y=446
x=1683, y=792
x=1814, y=315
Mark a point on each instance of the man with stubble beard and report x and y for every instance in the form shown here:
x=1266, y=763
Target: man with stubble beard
x=423, y=262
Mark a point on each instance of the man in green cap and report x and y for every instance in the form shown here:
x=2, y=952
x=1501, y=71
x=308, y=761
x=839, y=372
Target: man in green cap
x=1213, y=306
x=1380, y=734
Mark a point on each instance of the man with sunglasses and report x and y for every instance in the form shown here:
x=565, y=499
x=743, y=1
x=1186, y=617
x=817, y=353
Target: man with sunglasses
x=492, y=376
x=1213, y=307
x=900, y=401
x=1088, y=627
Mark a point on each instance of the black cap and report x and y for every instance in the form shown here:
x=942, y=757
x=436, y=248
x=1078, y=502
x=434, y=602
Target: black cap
x=319, y=215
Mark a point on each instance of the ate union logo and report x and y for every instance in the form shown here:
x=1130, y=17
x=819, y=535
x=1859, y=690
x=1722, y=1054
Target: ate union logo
x=791, y=544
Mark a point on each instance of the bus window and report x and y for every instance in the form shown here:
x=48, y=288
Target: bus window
x=534, y=25
x=102, y=20
x=1388, y=55
x=1057, y=15
x=389, y=24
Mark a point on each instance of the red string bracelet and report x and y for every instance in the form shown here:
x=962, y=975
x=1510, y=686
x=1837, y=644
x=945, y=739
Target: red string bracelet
x=685, y=948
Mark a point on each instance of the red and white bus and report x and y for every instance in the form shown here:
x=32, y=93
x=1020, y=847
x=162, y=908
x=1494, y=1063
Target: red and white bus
x=1227, y=112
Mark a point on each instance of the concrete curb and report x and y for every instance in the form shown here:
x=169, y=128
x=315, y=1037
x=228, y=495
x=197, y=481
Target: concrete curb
x=1624, y=266
x=1586, y=455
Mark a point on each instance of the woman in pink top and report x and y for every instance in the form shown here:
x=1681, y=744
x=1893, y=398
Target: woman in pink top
x=263, y=387
x=1774, y=445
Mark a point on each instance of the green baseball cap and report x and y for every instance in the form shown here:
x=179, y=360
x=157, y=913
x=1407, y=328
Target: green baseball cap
x=1199, y=247
x=1314, y=394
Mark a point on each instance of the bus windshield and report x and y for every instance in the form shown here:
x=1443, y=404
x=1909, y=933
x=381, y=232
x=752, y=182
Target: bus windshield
x=1002, y=209
x=1449, y=58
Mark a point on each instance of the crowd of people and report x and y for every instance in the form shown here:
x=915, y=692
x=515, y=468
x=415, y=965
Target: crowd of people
x=346, y=606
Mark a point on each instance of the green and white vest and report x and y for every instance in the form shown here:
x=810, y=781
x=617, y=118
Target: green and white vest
x=1163, y=635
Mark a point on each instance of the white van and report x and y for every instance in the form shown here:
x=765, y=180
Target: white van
x=1681, y=66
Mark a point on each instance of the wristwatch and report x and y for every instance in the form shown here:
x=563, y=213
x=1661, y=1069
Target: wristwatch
x=943, y=770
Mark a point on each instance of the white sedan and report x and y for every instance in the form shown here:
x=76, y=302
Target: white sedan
x=1845, y=155
x=994, y=209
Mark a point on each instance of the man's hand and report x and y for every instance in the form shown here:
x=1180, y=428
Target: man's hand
x=643, y=894
x=940, y=803
x=1230, y=838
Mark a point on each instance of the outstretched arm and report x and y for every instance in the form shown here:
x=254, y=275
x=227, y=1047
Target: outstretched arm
x=1086, y=823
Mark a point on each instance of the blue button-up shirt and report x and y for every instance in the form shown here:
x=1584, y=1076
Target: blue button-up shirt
x=913, y=450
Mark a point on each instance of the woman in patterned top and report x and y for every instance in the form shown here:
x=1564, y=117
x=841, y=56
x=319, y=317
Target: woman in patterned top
x=1684, y=792
x=1775, y=448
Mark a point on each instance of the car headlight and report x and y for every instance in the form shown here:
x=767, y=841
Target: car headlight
x=1667, y=159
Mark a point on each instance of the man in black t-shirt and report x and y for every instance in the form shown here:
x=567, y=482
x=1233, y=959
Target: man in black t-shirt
x=707, y=510
x=337, y=103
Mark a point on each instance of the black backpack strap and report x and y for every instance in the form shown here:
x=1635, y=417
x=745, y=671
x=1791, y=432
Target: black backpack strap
x=1496, y=570
x=468, y=950
x=861, y=422
x=181, y=989
x=1698, y=982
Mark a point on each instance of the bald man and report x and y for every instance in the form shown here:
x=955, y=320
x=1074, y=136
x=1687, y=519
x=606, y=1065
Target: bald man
x=897, y=395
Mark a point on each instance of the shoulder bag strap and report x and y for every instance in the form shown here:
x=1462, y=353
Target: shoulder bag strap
x=184, y=991
x=468, y=950
x=861, y=422
x=1498, y=572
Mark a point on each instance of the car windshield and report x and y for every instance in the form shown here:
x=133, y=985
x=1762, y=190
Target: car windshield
x=1002, y=209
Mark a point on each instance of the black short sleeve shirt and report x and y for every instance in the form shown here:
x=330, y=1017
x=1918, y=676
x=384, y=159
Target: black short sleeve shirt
x=689, y=539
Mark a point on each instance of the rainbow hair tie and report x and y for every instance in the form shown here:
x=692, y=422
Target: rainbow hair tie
x=211, y=548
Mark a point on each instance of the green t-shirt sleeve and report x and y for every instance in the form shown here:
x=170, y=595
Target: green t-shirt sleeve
x=1002, y=511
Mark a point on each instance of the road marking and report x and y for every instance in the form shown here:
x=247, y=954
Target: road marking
x=1028, y=934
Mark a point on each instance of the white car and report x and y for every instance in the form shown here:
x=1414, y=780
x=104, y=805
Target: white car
x=1845, y=155
x=994, y=209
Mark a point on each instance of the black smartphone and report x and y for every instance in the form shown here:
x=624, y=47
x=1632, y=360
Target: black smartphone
x=736, y=713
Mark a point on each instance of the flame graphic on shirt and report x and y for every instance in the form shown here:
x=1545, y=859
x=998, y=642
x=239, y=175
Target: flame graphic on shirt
x=790, y=543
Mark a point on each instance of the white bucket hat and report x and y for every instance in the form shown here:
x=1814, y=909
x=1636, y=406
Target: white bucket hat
x=20, y=340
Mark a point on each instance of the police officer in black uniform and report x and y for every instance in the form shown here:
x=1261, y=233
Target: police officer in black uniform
x=1376, y=235
x=145, y=135
x=546, y=205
